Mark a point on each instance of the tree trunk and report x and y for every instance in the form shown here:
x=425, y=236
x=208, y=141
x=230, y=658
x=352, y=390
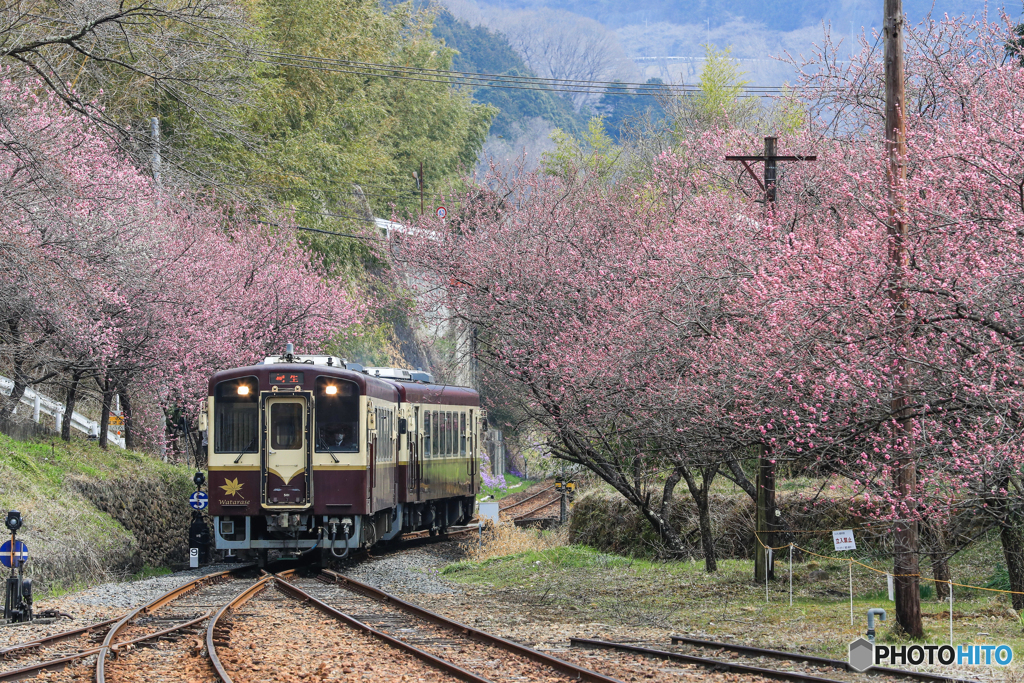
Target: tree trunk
x=936, y=542
x=129, y=427
x=108, y=396
x=69, y=405
x=701, y=498
x=1012, y=537
x=17, y=370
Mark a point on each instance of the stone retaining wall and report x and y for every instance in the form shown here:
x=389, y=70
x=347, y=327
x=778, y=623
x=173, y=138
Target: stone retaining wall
x=155, y=511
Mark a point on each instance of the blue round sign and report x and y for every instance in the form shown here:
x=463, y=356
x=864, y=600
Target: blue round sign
x=198, y=500
x=13, y=555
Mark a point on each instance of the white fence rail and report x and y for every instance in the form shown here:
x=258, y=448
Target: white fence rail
x=44, y=405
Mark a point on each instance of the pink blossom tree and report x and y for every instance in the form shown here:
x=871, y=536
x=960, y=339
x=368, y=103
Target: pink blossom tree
x=147, y=294
x=656, y=329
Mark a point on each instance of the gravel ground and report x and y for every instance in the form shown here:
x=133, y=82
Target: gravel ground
x=412, y=572
x=277, y=638
x=126, y=595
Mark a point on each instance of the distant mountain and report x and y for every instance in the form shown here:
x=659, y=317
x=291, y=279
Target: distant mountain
x=486, y=52
x=775, y=15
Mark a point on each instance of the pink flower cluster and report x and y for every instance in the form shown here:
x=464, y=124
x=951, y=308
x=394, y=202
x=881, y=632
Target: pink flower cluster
x=677, y=321
x=145, y=292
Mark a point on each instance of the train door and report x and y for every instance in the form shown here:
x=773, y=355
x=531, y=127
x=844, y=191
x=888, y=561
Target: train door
x=414, y=437
x=286, y=470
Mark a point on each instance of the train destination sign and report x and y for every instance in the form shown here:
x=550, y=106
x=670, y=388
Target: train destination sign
x=286, y=377
x=13, y=554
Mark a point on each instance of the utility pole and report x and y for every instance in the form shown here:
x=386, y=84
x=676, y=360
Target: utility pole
x=906, y=571
x=766, y=520
x=420, y=179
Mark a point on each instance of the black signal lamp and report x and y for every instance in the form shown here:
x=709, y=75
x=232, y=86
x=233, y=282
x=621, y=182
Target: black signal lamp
x=13, y=521
x=199, y=479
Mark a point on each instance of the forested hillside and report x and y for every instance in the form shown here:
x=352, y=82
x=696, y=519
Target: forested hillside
x=487, y=52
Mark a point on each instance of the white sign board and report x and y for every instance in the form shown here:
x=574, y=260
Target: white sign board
x=489, y=511
x=193, y=557
x=843, y=540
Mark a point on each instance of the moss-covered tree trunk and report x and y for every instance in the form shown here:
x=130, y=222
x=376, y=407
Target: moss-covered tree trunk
x=1012, y=537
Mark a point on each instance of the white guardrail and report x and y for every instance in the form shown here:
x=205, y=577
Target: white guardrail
x=44, y=405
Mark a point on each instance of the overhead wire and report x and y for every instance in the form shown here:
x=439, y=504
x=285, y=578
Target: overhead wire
x=450, y=78
x=475, y=79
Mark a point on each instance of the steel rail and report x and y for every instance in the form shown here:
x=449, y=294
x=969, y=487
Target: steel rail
x=703, y=661
x=445, y=665
x=151, y=606
x=517, y=504
x=524, y=515
x=33, y=669
x=837, y=663
x=236, y=602
x=55, y=638
x=578, y=672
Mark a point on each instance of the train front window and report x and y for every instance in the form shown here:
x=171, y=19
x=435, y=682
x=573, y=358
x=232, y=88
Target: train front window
x=337, y=416
x=286, y=426
x=236, y=416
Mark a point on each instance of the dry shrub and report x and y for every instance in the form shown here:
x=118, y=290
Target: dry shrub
x=507, y=539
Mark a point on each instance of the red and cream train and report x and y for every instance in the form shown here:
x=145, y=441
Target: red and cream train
x=307, y=452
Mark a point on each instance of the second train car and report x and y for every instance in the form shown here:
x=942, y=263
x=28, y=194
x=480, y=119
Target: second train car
x=309, y=453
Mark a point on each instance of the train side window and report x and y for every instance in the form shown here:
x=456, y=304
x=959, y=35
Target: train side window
x=426, y=433
x=447, y=434
x=438, y=446
x=451, y=434
x=337, y=415
x=462, y=434
x=448, y=426
x=236, y=416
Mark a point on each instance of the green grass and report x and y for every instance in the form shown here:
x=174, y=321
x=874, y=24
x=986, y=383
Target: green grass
x=510, y=480
x=48, y=463
x=73, y=543
x=576, y=584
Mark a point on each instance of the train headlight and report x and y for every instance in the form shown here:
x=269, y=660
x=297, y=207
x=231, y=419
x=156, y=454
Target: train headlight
x=330, y=390
x=243, y=389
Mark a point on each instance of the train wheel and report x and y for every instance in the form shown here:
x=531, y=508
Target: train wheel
x=433, y=532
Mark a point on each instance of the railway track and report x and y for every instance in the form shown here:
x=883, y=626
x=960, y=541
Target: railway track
x=663, y=662
x=509, y=506
x=485, y=656
x=153, y=621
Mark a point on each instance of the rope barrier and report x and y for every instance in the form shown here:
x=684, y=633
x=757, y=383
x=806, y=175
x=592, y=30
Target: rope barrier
x=879, y=571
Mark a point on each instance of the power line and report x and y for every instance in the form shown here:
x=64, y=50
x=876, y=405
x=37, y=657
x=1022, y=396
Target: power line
x=472, y=79
x=650, y=91
x=477, y=75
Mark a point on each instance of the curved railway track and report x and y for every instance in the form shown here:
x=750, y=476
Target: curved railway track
x=485, y=655
x=509, y=506
x=654, y=663
x=138, y=626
